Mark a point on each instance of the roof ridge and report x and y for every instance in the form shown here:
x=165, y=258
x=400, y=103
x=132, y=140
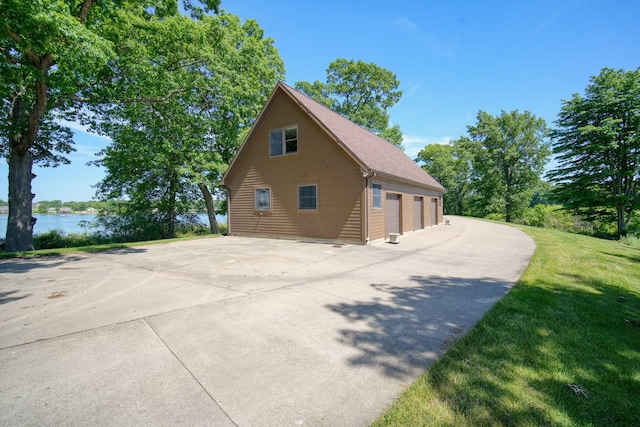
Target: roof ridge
x=373, y=152
x=335, y=113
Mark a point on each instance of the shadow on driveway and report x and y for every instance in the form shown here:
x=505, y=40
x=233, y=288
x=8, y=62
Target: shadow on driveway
x=403, y=330
x=21, y=265
x=9, y=296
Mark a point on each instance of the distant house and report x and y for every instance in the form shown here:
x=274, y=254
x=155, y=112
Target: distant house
x=52, y=210
x=306, y=172
x=65, y=210
x=4, y=210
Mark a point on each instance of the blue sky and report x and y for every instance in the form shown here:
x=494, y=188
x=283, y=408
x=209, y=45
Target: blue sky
x=453, y=58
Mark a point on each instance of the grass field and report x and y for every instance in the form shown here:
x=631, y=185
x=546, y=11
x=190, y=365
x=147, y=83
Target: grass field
x=562, y=348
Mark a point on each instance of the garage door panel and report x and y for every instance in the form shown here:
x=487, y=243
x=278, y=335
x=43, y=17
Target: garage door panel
x=434, y=211
x=393, y=213
x=417, y=213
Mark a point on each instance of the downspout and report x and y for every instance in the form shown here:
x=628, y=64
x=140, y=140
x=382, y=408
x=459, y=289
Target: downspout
x=367, y=181
x=227, y=191
x=366, y=208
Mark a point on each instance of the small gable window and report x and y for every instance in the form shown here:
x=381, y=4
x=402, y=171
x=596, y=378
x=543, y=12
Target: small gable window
x=307, y=197
x=283, y=141
x=377, y=196
x=263, y=199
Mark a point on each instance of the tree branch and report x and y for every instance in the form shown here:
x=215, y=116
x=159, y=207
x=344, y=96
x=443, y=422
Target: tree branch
x=33, y=122
x=30, y=53
x=85, y=100
x=85, y=7
x=10, y=58
x=16, y=38
x=151, y=100
x=75, y=98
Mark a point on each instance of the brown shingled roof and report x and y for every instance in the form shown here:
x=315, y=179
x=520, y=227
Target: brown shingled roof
x=370, y=151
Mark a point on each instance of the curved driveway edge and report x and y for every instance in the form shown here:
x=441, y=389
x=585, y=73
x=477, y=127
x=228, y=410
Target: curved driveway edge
x=242, y=331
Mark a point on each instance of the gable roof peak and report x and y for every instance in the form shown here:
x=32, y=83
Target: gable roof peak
x=372, y=152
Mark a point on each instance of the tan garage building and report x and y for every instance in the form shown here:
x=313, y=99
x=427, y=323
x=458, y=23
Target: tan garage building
x=305, y=172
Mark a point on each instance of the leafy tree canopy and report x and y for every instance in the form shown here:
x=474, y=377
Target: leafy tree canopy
x=166, y=155
x=74, y=60
x=451, y=166
x=597, y=145
x=361, y=92
x=510, y=152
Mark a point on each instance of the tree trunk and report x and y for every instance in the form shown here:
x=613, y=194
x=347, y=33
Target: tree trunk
x=211, y=212
x=172, y=215
x=23, y=129
x=622, y=224
x=509, y=205
x=19, y=222
x=509, y=193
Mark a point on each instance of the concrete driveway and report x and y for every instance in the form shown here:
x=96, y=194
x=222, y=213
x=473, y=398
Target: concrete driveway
x=241, y=331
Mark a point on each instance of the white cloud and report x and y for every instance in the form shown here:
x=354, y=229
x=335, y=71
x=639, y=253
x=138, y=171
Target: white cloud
x=542, y=27
x=404, y=23
x=77, y=127
x=413, y=144
x=432, y=42
x=84, y=153
x=411, y=139
x=413, y=88
x=86, y=143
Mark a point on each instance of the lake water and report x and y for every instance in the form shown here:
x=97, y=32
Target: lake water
x=74, y=223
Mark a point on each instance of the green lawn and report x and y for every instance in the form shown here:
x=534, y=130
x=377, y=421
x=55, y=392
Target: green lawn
x=562, y=348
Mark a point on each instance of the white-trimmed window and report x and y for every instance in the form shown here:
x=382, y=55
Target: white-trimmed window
x=307, y=197
x=283, y=141
x=263, y=199
x=377, y=196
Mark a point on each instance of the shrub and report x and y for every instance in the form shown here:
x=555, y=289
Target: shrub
x=495, y=217
x=50, y=240
x=56, y=239
x=631, y=240
x=548, y=216
x=634, y=225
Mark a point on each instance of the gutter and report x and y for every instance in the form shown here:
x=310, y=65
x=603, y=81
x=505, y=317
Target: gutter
x=408, y=181
x=227, y=191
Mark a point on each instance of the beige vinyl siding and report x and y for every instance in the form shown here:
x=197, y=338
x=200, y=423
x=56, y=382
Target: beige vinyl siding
x=319, y=161
x=377, y=224
x=377, y=217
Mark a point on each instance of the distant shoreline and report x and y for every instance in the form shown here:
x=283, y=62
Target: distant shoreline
x=76, y=222
x=82, y=213
x=52, y=214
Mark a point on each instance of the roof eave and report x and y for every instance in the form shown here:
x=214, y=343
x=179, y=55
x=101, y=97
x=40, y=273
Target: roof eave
x=324, y=127
x=396, y=178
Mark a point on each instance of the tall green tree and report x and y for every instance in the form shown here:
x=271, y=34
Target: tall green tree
x=361, y=92
x=59, y=55
x=597, y=146
x=451, y=166
x=166, y=155
x=510, y=152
